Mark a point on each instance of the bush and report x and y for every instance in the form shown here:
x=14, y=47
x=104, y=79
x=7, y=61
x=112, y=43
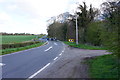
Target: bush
x=93, y=33
x=11, y=50
x=16, y=45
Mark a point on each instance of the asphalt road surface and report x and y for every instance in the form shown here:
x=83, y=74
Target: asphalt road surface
x=28, y=63
x=71, y=64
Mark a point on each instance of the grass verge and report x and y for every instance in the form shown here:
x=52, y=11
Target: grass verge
x=11, y=50
x=105, y=66
x=83, y=46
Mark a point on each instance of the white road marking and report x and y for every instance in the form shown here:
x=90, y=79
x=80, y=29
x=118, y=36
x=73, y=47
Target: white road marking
x=48, y=48
x=60, y=54
x=32, y=76
x=55, y=58
x=55, y=44
x=1, y=64
x=62, y=51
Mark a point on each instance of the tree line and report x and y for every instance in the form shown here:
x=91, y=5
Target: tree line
x=4, y=33
x=93, y=31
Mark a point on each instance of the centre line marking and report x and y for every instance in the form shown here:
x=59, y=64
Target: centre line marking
x=1, y=64
x=55, y=58
x=55, y=44
x=60, y=54
x=48, y=49
x=32, y=76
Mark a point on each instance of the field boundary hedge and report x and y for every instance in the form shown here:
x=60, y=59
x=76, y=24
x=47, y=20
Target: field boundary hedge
x=16, y=45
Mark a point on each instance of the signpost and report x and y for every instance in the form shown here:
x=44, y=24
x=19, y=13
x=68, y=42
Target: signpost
x=76, y=31
x=71, y=40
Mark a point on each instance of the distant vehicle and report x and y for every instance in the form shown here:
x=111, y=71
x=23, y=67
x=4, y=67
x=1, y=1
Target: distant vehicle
x=42, y=39
x=51, y=39
x=47, y=38
x=55, y=39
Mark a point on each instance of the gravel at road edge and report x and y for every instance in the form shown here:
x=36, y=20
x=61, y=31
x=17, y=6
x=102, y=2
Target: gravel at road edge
x=70, y=64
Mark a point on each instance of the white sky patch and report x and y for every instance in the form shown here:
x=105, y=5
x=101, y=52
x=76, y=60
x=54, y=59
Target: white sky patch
x=12, y=7
x=30, y=16
x=1, y=0
x=4, y=16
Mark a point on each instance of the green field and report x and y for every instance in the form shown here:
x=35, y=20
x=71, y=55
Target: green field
x=16, y=38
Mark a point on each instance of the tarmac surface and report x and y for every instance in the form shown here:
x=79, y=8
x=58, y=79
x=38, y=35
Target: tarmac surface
x=70, y=64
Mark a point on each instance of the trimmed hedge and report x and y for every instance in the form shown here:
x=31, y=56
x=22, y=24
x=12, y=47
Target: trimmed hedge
x=16, y=45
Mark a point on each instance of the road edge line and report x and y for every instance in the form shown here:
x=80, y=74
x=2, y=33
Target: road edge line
x=32, y=76
x=55, y=58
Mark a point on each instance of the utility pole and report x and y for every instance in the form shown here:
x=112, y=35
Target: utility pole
x=76, y=31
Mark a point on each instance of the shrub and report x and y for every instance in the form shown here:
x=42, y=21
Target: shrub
x=16, y=45
x=93, y=33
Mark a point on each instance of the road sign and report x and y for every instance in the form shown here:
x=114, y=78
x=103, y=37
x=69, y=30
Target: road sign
x=71, y=40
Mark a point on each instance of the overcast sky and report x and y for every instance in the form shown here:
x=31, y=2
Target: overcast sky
x=30, y=16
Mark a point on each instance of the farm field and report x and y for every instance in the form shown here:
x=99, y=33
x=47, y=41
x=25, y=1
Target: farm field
x=16, y=38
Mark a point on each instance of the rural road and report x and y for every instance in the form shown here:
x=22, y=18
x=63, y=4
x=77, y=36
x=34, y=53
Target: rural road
x=28, y=63
x=71, y=64
x=54, y=60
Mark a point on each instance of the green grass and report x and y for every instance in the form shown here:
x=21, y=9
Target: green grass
x=16, y=38
x=104, y=67
x=11, y=50
x=83, y=46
